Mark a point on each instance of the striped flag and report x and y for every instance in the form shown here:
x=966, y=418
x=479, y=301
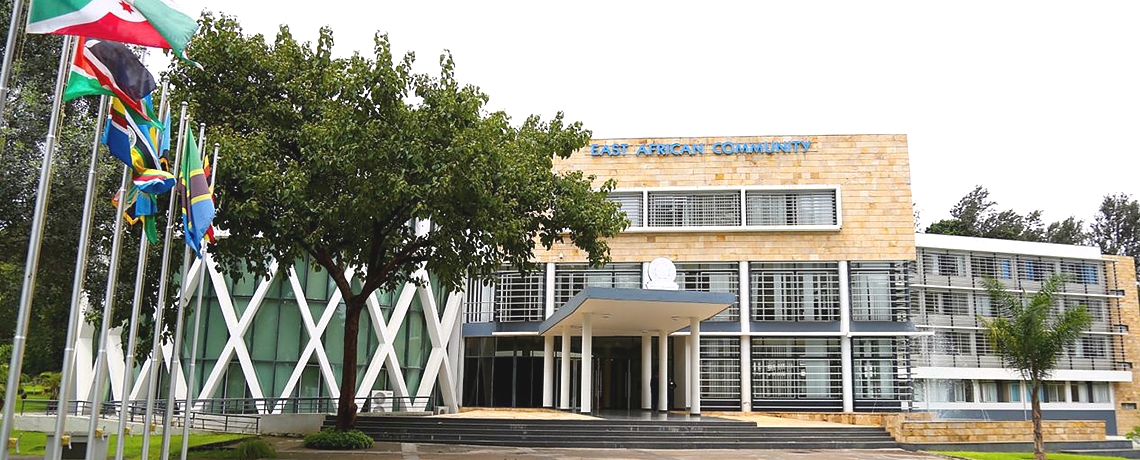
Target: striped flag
x=155, y=23
x=197, y=203
x=104, y=67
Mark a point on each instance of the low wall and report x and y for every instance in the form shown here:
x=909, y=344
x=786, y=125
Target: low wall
x=891, y=421
x=926, y=432
x=290, y=424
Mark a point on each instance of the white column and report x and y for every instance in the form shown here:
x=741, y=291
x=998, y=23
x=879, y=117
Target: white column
x=587, y=362
x=646, y=371
x=848, y=376
x=663, y=371
x=548, y=371
x=695, y=357
x=745, y=340
x=564, y=384
x=549, y=289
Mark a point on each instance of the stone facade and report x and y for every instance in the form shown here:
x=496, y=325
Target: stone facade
x=914, y=432
x=872, y=172
x=1128, y=393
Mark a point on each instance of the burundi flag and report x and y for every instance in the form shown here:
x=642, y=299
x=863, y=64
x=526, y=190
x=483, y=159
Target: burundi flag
x=154, y=23
x=197, y=204
x=103, y=67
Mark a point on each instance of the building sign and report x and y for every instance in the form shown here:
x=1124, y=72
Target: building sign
x=716, y=148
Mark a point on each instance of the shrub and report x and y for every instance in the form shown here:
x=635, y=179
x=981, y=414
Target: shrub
x=338, y=440
x=254, y=449
x=1134, y=435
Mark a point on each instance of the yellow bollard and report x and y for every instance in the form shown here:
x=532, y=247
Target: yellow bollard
x=65, y=440
x=14, y=443
x=127, y=431
x=153, y=427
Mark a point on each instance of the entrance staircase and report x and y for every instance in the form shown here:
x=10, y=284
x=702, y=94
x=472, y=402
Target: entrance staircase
x=705, y=433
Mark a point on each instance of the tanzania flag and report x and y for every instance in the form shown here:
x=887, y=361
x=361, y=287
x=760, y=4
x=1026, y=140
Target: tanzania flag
x=106, y=67
x=197, y=204
x=155, y=23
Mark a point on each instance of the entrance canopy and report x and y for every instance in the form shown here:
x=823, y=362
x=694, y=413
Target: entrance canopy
x=626, y=312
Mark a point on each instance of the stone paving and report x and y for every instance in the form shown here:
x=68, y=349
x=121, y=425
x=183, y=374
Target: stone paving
x=288, y=448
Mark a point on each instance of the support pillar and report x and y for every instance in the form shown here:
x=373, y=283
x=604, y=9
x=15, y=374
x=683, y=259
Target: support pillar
x=663, y=371
x=695, y=357
x=688, y=380
x=548, y=371
x=646, y=371
x=847, y=363
x=564, y=380
x=745, y=373
x=587, y=362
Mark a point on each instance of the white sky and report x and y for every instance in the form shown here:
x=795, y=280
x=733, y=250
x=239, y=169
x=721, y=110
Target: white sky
x=1036, y=101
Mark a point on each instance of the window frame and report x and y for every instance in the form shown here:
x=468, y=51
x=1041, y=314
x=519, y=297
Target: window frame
x=646, y=212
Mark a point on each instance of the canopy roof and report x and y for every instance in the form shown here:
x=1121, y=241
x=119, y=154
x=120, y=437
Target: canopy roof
x=625, y=312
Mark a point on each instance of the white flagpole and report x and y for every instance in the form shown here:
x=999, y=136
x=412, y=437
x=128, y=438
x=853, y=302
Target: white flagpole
x=136, y=306
x=175, y=355
x=156, y=341
x=35, y=240
x=67, y=381
x=203, y=271
x=6, y=69
x=129, y=362
x=108, y=306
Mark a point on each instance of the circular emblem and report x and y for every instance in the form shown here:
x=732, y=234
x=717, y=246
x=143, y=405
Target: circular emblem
x=662, y=269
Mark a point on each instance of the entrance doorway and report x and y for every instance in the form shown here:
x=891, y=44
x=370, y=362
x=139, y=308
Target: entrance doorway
x=617, y=373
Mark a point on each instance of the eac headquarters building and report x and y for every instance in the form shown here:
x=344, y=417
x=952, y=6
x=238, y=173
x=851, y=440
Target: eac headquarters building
x=800, y=285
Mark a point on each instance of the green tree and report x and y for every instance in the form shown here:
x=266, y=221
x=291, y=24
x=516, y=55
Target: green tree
x=1028, y=338
x=1068, y=231
x=1116, y=227
x=341, y=159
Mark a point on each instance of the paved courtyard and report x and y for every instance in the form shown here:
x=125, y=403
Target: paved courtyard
x=291, y=448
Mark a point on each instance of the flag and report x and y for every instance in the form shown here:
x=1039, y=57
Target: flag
x=106, y=67
x=154, y=23
x=132, y=140
x=197, y=204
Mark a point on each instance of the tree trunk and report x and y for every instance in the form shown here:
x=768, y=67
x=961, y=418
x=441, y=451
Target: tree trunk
x=346, y=407
x=1038, y=435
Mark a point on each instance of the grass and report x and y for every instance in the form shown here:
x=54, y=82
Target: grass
x=1022, y=456
x=35, y=403
x=32, y=443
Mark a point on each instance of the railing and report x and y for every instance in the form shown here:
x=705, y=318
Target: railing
x=232, y=415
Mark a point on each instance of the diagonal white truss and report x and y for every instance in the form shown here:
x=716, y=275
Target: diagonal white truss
x=438, y=368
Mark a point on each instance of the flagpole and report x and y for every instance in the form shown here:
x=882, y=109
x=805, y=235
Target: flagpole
x=35, y=240
x=203, y=271
x=175, y=355
x=67, y=381
x=129, y=362
x=160, y=305
x=108, y=306
x=6, y=69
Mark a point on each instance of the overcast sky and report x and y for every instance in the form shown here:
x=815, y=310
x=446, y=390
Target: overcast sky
x=1037, y=101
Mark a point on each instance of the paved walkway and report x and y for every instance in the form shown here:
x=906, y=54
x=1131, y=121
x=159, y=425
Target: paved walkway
x=289, y=448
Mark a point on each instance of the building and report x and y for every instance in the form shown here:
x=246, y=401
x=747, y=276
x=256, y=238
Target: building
x=829, y=301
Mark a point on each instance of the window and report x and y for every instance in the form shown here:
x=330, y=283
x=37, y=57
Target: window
x=1093, y=347
x=947, y=303
x=879, y=291
x=988, y=391
x=795, y=291
x=630, y=204
x=1080, y=272
x=1035, y=269
x=712, y=277
x=944, y=264
x=983, y=305
x=796, y=369
x=694, y=209
x=508, y=297
x=1101, y=393
x=570, y=279
x=999, y=267
x=880, y=367
x=720, y=368
x=1053, y=392
x=778, y=208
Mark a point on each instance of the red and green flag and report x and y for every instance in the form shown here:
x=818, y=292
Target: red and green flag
x=154, y=23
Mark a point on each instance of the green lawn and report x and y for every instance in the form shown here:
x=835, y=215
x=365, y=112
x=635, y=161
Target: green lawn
x=32, y=443
x=1022, y=456
x=33, y=404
